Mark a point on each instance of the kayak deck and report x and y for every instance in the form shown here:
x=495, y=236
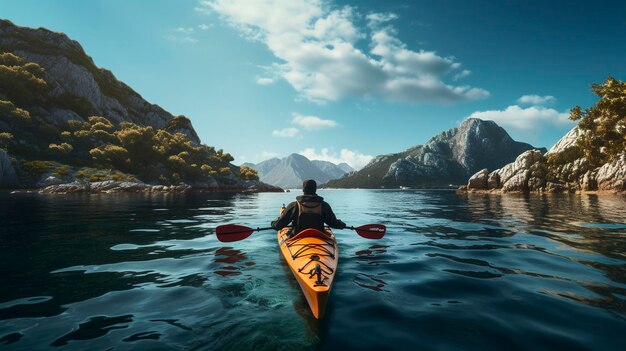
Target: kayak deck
x=312, y=257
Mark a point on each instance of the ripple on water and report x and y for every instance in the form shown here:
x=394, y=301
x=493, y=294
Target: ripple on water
x=453, y=272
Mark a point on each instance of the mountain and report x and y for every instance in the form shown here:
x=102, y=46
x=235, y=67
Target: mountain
x=290, y=171
x=450, y=157
x=332, y=170
x=63, y=119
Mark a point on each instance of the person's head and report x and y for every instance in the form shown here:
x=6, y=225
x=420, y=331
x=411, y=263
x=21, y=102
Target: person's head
x=309, y=187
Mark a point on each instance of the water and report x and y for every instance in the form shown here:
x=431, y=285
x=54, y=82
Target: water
x=482, y=272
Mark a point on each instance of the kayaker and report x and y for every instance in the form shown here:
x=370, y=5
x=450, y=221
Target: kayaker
x=308, y=211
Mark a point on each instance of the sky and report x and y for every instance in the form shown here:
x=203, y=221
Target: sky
x=345, y=81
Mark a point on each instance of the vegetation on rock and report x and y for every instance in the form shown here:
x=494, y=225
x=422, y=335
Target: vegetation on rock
x=98, y=147
x=604, y=123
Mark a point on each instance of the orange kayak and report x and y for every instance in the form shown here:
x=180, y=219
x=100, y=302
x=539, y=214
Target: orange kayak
x=312, y=257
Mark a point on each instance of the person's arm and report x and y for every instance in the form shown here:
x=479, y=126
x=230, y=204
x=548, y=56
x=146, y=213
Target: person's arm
x=330, y=218
x=285, y=218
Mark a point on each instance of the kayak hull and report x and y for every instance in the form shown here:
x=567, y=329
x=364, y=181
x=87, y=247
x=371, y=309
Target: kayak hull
x=312, y=257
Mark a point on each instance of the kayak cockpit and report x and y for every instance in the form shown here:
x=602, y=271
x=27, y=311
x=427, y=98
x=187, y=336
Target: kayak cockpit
x=310, y=233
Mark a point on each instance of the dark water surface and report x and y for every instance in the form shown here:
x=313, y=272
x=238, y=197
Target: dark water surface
x=478, y=272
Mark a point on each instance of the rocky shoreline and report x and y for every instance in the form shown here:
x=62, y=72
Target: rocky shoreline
x=526, y=175
x=111, y=186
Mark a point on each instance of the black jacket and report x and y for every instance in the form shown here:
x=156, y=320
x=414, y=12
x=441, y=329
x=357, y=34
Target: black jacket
x=290, y=214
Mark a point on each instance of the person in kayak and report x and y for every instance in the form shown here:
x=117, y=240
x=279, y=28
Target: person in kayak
x=308, y=211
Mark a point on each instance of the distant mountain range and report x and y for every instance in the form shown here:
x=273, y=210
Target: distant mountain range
x=290, y=171
x=450, y=157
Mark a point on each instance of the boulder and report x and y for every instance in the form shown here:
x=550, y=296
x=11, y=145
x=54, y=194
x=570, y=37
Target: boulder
x=521, y=164
x=535, y=184
x=589, y=181
x=493, y=182
x=612, y=176
x=518, y=182
x=479, y=180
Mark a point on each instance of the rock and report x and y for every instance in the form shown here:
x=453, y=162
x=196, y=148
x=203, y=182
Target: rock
x=8, y=178
x=612, y=176
x=535, y=184
x=49, y=180
x=479, y=180
x=589, y=181
x=521, y=165
x=554, y=187
x=67, y=188
x=566, y=141
x=518, y=182
x=493, y=182
x=71, y=73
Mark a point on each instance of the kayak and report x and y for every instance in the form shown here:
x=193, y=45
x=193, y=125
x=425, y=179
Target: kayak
x=312, y=256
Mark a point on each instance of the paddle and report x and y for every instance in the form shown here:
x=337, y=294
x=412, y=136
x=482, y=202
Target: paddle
x=370, y=231
x=234, y=232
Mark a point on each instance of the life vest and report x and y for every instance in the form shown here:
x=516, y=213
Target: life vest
x=309, y=216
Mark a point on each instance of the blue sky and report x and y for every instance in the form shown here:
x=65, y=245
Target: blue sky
x=347, y=80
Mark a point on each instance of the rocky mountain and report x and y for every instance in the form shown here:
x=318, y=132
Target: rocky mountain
x=80, y=88
x=590, y=157
x=450, y=157
x=332, y=170
x=290, y=171
x=63, y=119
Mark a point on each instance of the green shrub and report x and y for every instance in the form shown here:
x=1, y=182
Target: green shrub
x=36, y=167
x=248, y=173
x=62, y=171
x=61, y=149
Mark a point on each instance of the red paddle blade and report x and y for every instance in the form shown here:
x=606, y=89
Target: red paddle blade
x=371, y=231
x=232, y=232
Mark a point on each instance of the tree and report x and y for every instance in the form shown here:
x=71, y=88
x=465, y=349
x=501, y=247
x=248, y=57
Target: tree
x=604, y=123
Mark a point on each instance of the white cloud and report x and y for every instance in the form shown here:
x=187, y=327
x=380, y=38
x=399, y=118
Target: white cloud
x=313, y=122
x=464, y=73
x=205, y=26
x=355, y=159
x=182, y=35
x=286, y=132
x=526, y=120
x=536, y=100
x=265, y=81
x=316, y=46
x=184, y=30
x=375, y=19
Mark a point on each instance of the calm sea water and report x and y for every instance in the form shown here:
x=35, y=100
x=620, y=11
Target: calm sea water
x=476, y=272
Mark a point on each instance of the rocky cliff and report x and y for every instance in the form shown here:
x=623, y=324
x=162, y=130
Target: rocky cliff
x=77, y=86
x=290, y=171
x=63, y=119
x=590, y=157
x=448, y=158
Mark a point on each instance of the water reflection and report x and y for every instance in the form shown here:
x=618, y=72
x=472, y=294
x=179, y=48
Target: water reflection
x=229, y=257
